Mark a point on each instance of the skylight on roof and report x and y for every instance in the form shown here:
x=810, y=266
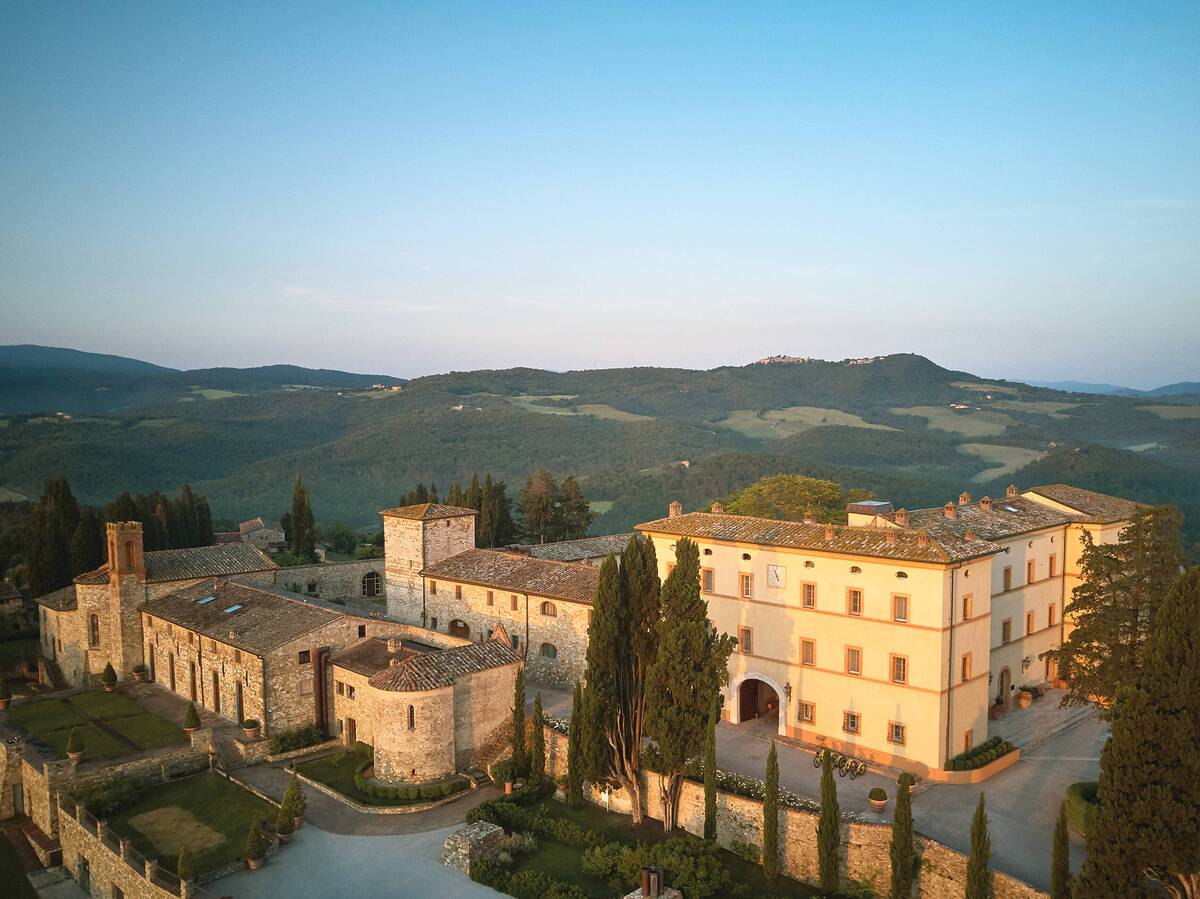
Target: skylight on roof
x=1011, y=509
x=233, y=608
x=205, y=601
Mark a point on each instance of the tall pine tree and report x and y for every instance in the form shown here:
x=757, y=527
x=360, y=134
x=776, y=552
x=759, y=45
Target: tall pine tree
x=1148, y=800
x=539, y=507
x=1060, y=862
x=574, y=512
x=829, y=828
x=52, y=525
x=903, y=853
x=710, y=773
x=979, y=877
x=303, y=536
x=685, y=678
x=770, y=810
x=520, y=757
x=574, y=758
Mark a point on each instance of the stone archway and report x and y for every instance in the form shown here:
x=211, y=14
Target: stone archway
x=758, y=697
x=459, y=628
x=1005, y=681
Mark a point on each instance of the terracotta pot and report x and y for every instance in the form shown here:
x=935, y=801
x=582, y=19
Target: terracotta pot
x=108, y=688
x=139, y=676
x=508, y=788
x=878, y=805
x=190, y=730
x=912, y=788
x=296, y=822
x=1024, y=700
x=75, y=756
x=254, y=863
x=285, y=839
x=4, y=704
x=250, y=733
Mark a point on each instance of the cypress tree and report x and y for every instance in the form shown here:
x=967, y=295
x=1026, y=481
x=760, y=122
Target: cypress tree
x=519, y=757
x=574, y=759
x=1148, y=800
x=770, y=849
x=186, y=866
x=539, y=507
x=486, y=530
x=87, y=543
x=504, y=529
x=472, y=499
x=1060, y=862
x=52, y=525
x=903, y=855
x=829, y=828
x=710, y=774
x=454, y=494
x=979, y=878
x=537, y=742
x=303, y=526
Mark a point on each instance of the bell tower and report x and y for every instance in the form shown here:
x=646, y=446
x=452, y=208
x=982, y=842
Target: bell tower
x=126, y=593
x=125, y=550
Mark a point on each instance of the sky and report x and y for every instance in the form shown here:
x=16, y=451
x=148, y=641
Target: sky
x=1009, y=189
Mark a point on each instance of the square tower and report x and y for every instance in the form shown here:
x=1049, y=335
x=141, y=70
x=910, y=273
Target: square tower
x=416, y=536
x=126, y=593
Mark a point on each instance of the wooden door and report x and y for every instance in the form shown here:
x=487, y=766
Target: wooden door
x=748, y=699
x=351, y=732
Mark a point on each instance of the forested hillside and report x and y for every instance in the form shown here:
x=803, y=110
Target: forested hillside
x=900, y=426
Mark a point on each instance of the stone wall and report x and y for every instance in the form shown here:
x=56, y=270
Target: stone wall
x=332, y=580
x=411, y=545
x=107, y=867
x=865, y=846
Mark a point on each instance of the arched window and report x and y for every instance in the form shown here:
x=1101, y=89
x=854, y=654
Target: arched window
x=412, y=718
x=372, y=584
x=93, y=631
x=549, y=609
x=549, y=651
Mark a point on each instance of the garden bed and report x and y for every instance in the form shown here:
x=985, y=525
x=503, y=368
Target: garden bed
x=339, y=772
x=110, y=724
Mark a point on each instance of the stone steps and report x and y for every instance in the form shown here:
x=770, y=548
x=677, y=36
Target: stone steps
x=478, y=778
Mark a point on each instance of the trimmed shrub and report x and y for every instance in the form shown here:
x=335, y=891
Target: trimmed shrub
x=255, y=844
x=284, y=821
x=293, y=798
x=877, y=793
x=296, y=738
x=186, y=866
x=110, y=675
x=106, y=798
x=1081, y=806
x=250, y=723
x=987, y=751
x=74, y=741
x=139, y=668
x=191, y=718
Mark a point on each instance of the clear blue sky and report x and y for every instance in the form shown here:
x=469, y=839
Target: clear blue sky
x=1012, y=189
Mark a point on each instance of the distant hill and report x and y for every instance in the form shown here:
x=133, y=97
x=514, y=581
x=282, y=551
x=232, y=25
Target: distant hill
x=35, y=379
x=1182, y=388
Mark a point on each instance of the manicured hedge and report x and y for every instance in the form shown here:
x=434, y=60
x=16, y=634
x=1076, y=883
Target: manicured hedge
x=413, y=793
x=1081, y=806
x=296, y=738
x=983, y=754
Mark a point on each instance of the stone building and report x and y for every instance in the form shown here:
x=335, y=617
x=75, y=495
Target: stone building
x=95, y=621
x=589, y=550
x=266, y=535
x=249, y=650
x=429, y=704
x=416, y=536
x=12, y=601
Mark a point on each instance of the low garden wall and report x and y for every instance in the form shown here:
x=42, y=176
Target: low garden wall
x=380, y=809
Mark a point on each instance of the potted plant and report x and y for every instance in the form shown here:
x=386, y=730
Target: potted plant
x=255, y=847
x=186, y=867
x=75, y=747
x=908, y=780
x=139, y=673
x=5, y=694
x=250, y=728
x=191, y=718
x=109, y=678
x=502, y=773
x=294, y=801
x=1025, y=698
x=878, y=799
x=285, y=823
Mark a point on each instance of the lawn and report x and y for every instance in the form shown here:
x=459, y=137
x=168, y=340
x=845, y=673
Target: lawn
x=597, y=410
x=207, y=813
x=778, y=423
x=1004, y=459
x=968, y=422
x=337, y=771
x=110, y=724
x=13, y=882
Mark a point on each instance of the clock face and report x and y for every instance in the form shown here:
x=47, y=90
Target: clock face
x=775, y=576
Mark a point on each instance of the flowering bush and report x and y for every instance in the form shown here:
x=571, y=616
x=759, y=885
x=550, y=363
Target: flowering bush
x=561, y=725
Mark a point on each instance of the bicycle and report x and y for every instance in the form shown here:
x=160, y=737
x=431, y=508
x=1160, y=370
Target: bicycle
x=844, y=765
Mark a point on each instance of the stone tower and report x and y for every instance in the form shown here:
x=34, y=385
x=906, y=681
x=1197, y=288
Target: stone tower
x=126, y=592
x=416, y=536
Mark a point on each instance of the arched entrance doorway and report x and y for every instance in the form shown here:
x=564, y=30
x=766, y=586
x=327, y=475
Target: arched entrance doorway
x=758, y=699
x=459, y=628
x=1005, y=686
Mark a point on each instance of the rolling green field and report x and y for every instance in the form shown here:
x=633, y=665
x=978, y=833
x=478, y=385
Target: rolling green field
x=1004, y=459
x=968, y=422
x=777, y=423
x=1173, y=413
x=598, y=410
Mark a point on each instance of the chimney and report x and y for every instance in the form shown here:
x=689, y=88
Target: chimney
x=902, y=517
x=828, y=532
x=718, y=509
x=949, y=511
x=809, y=517
x=922, y=538
x=964, y=498
x=675, y=509
x=1012, y=489
x=970, y=534
x=891, y=537
x=393, y=644
x=125, y=548
x=986, y=504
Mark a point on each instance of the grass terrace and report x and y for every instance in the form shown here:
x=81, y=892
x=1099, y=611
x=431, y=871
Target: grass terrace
x=111, y=725
x=340, y=772
x=207, y=813
x=13, y=882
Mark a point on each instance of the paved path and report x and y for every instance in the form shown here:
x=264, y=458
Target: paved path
x=327, y=864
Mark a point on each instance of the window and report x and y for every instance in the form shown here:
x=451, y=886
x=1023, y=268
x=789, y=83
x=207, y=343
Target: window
x=412, y=718
x=512, y=602
x=1030, y=571
x=458, y=591
x=191, y=636
x=1053, y=565
x=1007, y=577
x=747, y=585
x=808, y=596
x=312, y=588
x=1006, y=631
x=745, y=640
x=899, y=670
x=806, y=712
x=548, y=651
x=1050, y=613
x=1030, y=622
x=491, y=598
x=549, y=610
x=967, y=610
x=362, y=631
x=433, y=588
x=371, y=584
x=305, y=656
x=339, y=688
x=516, y=641
x=852, y=722
x=965, y=668
x=853, y=660
x=895, y=733
x=808, y=653
x=350, y=690
x=433, y=623
x=93, y=631
x=854, y=602
x=707, y=577
x=899, y=607
x=237, y=655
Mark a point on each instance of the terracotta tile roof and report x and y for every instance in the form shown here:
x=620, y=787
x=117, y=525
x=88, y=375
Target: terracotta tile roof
x=227, y=537
x=264, y=619
x=427, y=512
x=1007, y=517
x=910, y=545
x=519, y=574
x=1099, y=508
x=9, y=591
x=371, y=655
x=575, y=550
x=60, y=600
x=432, y=670
x=218, y=560
x=256, y=524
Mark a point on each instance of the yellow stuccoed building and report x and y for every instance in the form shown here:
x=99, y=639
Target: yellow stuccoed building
x=891, y=637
